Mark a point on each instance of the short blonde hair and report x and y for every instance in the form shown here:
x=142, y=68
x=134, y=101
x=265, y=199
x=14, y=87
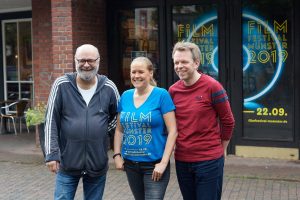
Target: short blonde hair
x=149, y=65
x=188, y=46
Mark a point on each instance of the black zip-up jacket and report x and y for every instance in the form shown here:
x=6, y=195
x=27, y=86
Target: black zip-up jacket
x=76, y=134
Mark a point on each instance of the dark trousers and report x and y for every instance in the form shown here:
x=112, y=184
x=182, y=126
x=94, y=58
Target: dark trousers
x=139, y=175
x=200, y=180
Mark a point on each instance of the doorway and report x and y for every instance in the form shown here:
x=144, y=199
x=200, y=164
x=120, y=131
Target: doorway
x=17, y=59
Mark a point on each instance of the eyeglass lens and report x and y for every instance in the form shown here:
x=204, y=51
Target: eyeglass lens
x=89, y=61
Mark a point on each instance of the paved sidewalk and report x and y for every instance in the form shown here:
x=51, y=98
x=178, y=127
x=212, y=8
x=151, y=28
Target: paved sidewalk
x=23, y=175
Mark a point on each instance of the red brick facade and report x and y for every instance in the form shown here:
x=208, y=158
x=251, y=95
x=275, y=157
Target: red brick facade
x=59, y=27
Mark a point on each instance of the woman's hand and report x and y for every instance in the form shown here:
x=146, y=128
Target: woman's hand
x=158, y=171
x=119, y=163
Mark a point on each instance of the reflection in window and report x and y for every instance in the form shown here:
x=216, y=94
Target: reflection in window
x=11, y=54
x=12, y=91
x=25, y=55
x=139, y=37
x=26, y=91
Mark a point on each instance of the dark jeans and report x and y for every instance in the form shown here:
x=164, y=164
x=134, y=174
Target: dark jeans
x=200, y=180
x=66, y=185
x=142, y=186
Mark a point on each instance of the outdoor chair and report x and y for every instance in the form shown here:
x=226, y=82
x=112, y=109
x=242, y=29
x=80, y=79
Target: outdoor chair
x=14, y=111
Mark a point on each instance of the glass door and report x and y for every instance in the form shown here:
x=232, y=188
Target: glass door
x=135, y=33
x=17, y=70
x=139, y=37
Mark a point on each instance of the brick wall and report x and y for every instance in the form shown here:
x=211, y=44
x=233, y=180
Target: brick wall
x=89, y=27
x=42, y=49
x=62, y=38
x=59, y=27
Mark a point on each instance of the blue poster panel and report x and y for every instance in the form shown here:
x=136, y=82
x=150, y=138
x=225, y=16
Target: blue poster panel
x=268, y=70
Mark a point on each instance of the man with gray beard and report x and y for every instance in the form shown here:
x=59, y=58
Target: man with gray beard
x=81, y=111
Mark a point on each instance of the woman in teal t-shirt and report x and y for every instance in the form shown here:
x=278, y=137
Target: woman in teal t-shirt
x=145, y=134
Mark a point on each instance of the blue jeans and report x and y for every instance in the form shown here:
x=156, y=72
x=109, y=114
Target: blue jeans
x=66, y=185
x=139, y=175
x=200, y=180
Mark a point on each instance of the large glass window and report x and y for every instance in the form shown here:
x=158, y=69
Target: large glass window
x=18, y=80
x=139, y=37
x=199, y=24
x=268, y=69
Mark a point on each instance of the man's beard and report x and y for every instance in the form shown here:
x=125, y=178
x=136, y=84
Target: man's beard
x=87, y=75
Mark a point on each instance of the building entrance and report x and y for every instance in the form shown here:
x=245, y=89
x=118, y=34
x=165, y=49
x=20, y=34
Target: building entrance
x=249, y=46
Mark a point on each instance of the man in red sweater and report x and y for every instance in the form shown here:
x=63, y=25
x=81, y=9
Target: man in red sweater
x=205, y=124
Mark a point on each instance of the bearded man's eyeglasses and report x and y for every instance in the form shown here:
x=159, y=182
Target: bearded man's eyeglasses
x=89, y=61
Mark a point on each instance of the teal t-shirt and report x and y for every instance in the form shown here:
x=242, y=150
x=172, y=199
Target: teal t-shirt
x=144, y=131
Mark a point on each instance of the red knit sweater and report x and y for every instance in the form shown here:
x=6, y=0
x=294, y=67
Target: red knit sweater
x=203, y=117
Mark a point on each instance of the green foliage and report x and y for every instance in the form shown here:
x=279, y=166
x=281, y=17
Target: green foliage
x=36, y=115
